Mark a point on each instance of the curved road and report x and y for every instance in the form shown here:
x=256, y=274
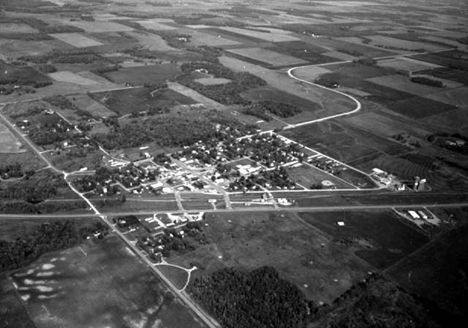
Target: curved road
x=355, y=110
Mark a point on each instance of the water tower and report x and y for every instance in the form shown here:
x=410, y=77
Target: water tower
x=416, y=182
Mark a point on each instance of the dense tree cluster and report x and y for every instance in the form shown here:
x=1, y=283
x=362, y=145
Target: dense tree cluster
x=47, y=237
x=375, y=302
x=280, y=109
x=11, y=171
x=172, y=131
x=427, y=81
x=258, y=299
x=41, y=188
x=258, y=111
x=228, y=93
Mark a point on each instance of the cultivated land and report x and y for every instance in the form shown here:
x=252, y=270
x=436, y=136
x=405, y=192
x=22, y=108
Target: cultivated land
x=271, y=117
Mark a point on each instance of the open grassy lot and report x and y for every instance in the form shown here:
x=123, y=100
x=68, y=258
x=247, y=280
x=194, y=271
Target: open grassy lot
x=343, y=142
x=97, y=284
x=307, y=176
x=144, y=74
x=437, y=271
x=378, y=237
x=9, y=143
x=301, y=254
x=139, y=99
x=28, y=160
x=76, y=40
x=269, y=57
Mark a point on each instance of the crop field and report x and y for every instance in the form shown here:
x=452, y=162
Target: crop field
x=436, y=271
x=310, y=73
x=419, y=107
x=446, y=73
x=71, y=77
x=301, y=254
x=384, y=126
x=306, y=51
x=407, y=64
x=343, y=142
x=93, y=107
x=139, y=99
x=8, y=72
x=100, y=26
x=144, y=74
x=76, y=40
x=378, y=237
x=404, y=84
x=153, y=24
x=151, y=41
x=265, y=36
x=8, y=141
x=400, y=44
x=353, y=48
x=204, y=39
x=307, y=175
x=267, y=56
x=457, y=97
x=16, y=28
x=96, y=284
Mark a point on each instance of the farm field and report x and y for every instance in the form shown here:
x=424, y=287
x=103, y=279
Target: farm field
x=457, y=97
x=306, y=51
x=384, y=125
x=198, y=38
x=406, y=64
x=301, y=254
x=9, y=143
x=343, y=142
x=104, y=283
x=419, y=107
x=378, y=237
x=269, y=57
x=127, y=101
x=71, y=77
x=144, y=74
x=400, y=44
x=76, y=40
x=355, y=49
x=154, y=24
x=28, y=74
x=93, y=107
x=16, y=28
x=151, y=41
x=261, y=35
x=455, y=120
x=404, y=84
x=100, y=26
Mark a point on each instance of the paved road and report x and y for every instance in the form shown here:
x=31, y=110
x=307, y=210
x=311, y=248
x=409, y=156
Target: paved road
x=318, y=208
